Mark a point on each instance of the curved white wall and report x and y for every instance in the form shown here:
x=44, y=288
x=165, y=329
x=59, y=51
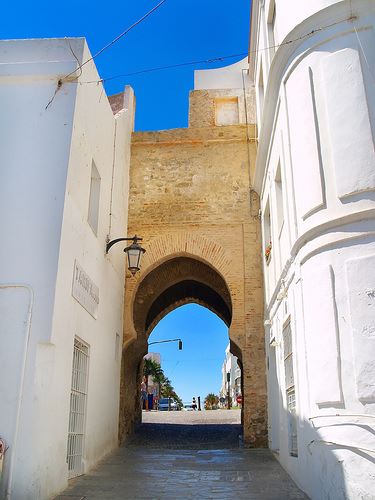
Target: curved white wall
x=316, y=175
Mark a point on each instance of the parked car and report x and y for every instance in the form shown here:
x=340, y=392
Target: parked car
x=166, y=404
x=188, y=407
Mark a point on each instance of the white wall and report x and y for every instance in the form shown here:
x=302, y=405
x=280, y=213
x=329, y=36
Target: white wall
x=229, y=77
x=316, y=123
x=230, y=365
x=46, y=191
x=34, y=149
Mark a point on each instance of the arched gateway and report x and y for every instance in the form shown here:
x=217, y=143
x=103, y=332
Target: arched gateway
x=190, y=200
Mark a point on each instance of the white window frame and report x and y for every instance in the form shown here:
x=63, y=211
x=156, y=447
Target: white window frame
x=78, y=407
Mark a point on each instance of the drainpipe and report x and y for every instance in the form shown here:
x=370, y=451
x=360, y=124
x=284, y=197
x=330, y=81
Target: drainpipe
x=13, y=446
x=248, y=140
x=113, y=175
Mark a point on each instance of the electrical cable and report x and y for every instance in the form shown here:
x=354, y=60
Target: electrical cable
x=125, y=32
x=215, y=59
x=170, y=66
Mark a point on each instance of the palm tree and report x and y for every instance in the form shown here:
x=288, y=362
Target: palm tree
x=153, y=369
x=211, y=401
x=167, y=391
x=159, y=379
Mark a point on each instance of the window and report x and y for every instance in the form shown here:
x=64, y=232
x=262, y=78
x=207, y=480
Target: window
x=93, y=214
x=77, y=416
x=279, y=199
x=260, y=91
x=226, y=111
x=272, y=30
x=290, y=390
x=267, y=232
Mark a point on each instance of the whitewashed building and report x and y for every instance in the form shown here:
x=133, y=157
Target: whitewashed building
x=152, y=387
x=313, y=67
x=64, y=159
x=230, y=366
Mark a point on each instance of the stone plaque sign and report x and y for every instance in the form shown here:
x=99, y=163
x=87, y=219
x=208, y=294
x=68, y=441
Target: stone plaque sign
x=85, y=291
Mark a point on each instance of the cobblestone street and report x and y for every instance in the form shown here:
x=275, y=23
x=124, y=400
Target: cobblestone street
x=173, y=456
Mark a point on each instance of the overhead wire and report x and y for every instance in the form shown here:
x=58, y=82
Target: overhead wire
x=121, y=35
x=220, y=58
x=170, y=66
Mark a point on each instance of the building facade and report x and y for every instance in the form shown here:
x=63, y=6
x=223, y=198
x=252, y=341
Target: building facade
x=313, y=65
x=306, y=97
x=152, y=386
x=230, y=366
x=63, y=192
x=315, y=174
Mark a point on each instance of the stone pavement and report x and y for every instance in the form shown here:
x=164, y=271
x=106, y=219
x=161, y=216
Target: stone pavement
x=192, y=417
x=219, y=429
x=178, y=461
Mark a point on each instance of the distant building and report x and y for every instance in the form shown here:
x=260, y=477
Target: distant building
x=230, y=366
x=153, y=388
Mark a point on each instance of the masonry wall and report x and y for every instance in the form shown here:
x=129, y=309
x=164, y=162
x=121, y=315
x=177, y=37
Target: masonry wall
x=193, y=185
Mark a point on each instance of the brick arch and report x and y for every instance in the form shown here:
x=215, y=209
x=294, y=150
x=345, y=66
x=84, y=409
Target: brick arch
x=175, y=282
x=167, y=247
x=171, y=266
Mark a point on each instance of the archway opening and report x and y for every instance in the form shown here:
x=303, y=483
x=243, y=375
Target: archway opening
x=192, y=409
x=174, y=283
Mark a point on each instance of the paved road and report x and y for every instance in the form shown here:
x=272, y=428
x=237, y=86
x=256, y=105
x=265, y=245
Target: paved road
x=192, y=430
x=163, y=463
x=192, y=417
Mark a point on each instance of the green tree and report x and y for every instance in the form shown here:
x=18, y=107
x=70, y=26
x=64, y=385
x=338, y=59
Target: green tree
x=211, y=401
x=159, y=379
x=166, y=388
x=152, y=368
x=167, y=391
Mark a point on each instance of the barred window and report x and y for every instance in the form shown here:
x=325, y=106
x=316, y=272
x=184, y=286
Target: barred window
x=290, y=390
x=288, y=356
x=292, y=421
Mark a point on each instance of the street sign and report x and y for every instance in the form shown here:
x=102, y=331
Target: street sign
x=239, y=399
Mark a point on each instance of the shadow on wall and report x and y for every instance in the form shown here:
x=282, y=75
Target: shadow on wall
x=330, y=462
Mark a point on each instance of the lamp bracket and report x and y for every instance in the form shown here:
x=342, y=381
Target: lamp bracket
x=134, y=239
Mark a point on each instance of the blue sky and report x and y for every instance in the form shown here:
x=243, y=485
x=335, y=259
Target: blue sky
x=180, y=31
x=196, y=370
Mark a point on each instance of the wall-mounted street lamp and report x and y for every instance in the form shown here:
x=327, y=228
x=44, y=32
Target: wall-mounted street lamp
x=171, y=340
x=133, y=251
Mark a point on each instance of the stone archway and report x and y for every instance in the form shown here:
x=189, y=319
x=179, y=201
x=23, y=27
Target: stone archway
x=171, y=278
x=191, y=200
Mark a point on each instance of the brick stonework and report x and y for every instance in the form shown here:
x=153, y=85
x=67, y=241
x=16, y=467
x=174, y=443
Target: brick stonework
x=191, y=201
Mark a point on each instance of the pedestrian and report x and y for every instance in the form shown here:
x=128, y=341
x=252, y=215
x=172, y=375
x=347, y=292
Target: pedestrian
x=144, y=394
x=150, y=400
x=194, y=404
